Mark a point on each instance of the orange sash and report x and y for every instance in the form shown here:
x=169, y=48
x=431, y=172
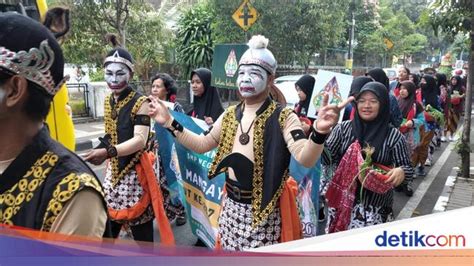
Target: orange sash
x=151, y=193
x=290, y=219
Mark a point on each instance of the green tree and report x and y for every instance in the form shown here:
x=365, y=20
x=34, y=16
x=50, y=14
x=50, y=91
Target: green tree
x=453, y=17
x=296, y=29
x=368, y=38
x=133, y=21
x=194, y=43
x=401, y=31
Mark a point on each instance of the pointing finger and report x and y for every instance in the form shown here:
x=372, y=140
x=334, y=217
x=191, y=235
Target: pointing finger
x=325, y=99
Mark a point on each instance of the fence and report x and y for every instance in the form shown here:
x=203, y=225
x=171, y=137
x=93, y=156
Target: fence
x=79, y=99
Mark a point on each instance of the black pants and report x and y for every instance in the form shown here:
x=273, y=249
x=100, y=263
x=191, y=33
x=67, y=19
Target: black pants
x=141, y=232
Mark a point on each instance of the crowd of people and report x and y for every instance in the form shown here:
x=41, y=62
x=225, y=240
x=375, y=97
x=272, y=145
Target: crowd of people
x=388, y=135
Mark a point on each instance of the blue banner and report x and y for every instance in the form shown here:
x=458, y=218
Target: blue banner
x=202, y=197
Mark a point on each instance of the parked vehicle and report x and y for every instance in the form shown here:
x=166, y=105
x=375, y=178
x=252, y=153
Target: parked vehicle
x=392, y=73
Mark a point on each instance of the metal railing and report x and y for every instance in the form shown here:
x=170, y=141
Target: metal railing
x=79, y=99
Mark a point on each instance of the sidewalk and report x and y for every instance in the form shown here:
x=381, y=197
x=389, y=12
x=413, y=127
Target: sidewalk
x=87, y=135
x=458, y=191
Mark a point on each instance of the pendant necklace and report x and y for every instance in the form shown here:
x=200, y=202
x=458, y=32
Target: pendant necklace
x=244, y=138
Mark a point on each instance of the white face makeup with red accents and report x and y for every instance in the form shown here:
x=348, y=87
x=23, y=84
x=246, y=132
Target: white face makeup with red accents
x=117, y=76
x=252, y=80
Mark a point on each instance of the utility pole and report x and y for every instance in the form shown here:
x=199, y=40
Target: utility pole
x=465, y=141
x=349, y=60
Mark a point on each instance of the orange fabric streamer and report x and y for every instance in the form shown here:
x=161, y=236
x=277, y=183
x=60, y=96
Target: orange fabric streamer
x=151, y=193
x=290, y=219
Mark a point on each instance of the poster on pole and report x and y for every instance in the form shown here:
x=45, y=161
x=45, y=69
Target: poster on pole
x=335, y=84
x=225, y=64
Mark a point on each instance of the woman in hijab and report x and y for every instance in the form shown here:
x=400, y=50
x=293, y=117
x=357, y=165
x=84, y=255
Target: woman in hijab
x=379, y=75
x=429, y=92
x=456, y=95
x=444, y=100
x=352, y=204
x=430, y=96
x=415, y=78
x=207, y=104
x=304, y=86
x=413, y=119
x=357, y=84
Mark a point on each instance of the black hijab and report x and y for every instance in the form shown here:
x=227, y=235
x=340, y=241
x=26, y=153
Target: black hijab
x=406, y=104
x=442, y=79
x=429, y=92
x=373, y=132
x=416, y=79
x=306, y=84
x=209, y=103
x=458, y=86
x=357, y=85
x=380, y=76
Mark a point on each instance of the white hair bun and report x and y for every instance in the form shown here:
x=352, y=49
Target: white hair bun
x=258, y=42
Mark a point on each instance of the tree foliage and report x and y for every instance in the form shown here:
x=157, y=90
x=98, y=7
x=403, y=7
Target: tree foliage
x=132, y=21
x=452, y=16
x=194, y=43
x=296, y=29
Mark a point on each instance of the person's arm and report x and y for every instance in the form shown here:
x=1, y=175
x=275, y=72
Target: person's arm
x=84, y=214
x=141, y=130
x=198, y=143
x=400, y=159
x=305, y=151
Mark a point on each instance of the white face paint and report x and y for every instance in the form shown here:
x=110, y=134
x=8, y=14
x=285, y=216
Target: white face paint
x=117, y=76
x=252, y=80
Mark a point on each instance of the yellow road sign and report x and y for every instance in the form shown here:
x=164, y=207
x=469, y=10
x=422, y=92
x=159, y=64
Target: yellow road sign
x=388, y=43
x=245, y=15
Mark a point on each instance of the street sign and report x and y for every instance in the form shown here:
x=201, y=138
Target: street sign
x=388, y=43
x=245, y=15
x=225, y=64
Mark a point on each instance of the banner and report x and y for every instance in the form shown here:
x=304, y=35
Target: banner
x=201, y=196
x=308, y=195
x=336, y=85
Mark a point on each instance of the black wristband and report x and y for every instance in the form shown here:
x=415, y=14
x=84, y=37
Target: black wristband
x=111, y=151
x=177, y=126
x=317, y=137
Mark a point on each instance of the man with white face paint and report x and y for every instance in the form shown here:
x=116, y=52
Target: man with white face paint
x=131, y=187
x=255, y=141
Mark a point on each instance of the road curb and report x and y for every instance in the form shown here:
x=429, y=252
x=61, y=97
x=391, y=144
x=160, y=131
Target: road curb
x=442, y=202
x=87, y=144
